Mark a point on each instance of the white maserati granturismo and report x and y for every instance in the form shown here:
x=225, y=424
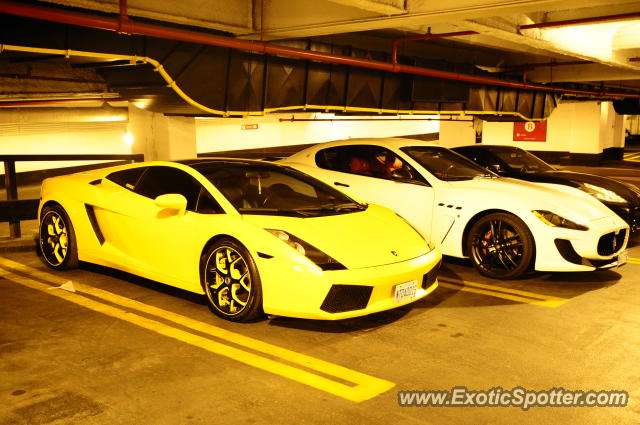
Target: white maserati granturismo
x=505, y=226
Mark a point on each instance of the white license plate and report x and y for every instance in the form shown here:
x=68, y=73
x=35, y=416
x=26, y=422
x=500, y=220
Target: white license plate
x=406, y=291
x=622, y=258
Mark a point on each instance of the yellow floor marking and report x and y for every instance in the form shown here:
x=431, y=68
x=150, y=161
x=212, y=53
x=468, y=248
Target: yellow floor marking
x=500, y=292
x=631, y=260
x=366, y=386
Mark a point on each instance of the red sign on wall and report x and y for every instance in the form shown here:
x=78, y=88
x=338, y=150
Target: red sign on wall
x=530, y=131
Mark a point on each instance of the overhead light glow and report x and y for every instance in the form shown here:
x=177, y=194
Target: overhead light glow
x=128, y=138
x=599, y=40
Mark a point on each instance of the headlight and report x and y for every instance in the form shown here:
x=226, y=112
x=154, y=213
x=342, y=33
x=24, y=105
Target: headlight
x=429, y=243
x=322, y=260
x=554, y=220
x=603, y=194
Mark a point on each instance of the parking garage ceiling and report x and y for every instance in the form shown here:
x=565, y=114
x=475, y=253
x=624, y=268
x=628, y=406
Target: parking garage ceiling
x=583, y=49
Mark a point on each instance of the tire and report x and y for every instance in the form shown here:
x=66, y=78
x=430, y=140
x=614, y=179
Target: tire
x=57, y=239
x=500, y=246
x=233, y=292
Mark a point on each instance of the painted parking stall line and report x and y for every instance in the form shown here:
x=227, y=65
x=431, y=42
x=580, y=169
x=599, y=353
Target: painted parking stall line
x=365, y=386
x=501, y=292
x=632, y=156
x=631, y=260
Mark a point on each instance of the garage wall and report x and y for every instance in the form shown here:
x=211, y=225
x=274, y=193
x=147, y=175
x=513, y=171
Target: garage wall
x=578, y=127
x=62, y=131
x=224, y=134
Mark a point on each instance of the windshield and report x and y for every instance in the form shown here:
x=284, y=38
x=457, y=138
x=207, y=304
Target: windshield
x=272, y=190
x=445, y=164
x=521, y=160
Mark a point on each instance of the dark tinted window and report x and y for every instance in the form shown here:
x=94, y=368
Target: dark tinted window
x=266, y=189
x=365, y=160
x=478, y=155
x=206, y=204
x=520, y=160
x=127, y=178
x=445, y=164
x=161, y=180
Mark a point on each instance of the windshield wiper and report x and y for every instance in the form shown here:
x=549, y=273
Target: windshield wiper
x=335, y=208
x=458, y=178
x=274, y=211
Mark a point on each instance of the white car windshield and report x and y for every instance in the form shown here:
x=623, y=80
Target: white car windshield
x=273, y=190
x=445, y=164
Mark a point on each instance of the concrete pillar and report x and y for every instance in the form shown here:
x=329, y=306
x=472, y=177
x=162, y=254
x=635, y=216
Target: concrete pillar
x=161, y=138
x=457, y=133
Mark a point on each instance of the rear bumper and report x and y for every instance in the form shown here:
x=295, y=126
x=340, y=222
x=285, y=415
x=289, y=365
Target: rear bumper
x=342, y=294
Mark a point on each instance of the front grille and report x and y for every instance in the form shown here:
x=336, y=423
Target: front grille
x=430, y=277
x=611, y=242
x=346, y=298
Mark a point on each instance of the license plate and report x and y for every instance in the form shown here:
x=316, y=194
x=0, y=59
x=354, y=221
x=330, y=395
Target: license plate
x=406, y=291
x=622, y=258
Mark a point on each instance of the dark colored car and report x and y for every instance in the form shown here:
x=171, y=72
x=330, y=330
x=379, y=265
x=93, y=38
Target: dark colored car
x=510, y=161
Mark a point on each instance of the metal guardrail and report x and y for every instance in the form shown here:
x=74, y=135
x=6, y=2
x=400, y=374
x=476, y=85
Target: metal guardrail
x=14, y=210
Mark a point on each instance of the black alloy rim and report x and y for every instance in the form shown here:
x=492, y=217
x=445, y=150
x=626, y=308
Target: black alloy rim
x=227, y=281
x=497, y=248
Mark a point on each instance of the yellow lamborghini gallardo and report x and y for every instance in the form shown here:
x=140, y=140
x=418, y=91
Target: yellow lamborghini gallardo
x=252, y=236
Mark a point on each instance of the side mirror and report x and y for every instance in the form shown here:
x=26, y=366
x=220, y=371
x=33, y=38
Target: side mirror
x=172, y=201
x=401, y=174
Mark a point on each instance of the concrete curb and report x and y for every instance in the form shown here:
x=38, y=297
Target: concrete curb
x=18, y=245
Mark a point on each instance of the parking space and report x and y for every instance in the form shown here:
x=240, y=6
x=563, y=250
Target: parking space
x=127, y=350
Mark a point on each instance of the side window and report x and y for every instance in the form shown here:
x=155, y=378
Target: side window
x=365, y=160
x=127, y=178
x=206, y=204
x=482, y=158
x=160, y=180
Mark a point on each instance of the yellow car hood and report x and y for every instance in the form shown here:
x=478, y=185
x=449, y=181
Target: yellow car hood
x=369, y=238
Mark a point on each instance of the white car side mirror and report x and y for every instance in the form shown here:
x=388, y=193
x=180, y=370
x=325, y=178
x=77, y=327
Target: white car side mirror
x=172, y=201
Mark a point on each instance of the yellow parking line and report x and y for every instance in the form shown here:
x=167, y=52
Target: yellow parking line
x=365, y=387
x=631, y=260
x=500, y=292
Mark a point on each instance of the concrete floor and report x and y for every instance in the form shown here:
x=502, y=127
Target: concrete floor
x=93, y=358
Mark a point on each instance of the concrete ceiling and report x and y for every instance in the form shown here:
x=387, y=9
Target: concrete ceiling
x=603, y=54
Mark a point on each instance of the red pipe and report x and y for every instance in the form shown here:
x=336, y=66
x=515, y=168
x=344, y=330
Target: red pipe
x=583, y=21
x=130, y=27
x=634, y=59
x=429, y=36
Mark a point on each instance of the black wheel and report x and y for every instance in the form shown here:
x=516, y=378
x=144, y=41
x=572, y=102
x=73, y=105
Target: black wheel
x=231, y=281
x=57, y=239
x=500, y=246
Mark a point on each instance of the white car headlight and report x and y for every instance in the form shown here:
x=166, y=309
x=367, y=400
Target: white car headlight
x=603, y=194
x=554, y=220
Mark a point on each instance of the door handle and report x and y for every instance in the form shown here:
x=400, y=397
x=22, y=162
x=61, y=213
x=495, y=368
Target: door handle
x=341, y=184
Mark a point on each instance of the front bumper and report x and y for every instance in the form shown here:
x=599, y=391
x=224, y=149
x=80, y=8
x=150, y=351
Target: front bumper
x=342, y=294
x=559, y=249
